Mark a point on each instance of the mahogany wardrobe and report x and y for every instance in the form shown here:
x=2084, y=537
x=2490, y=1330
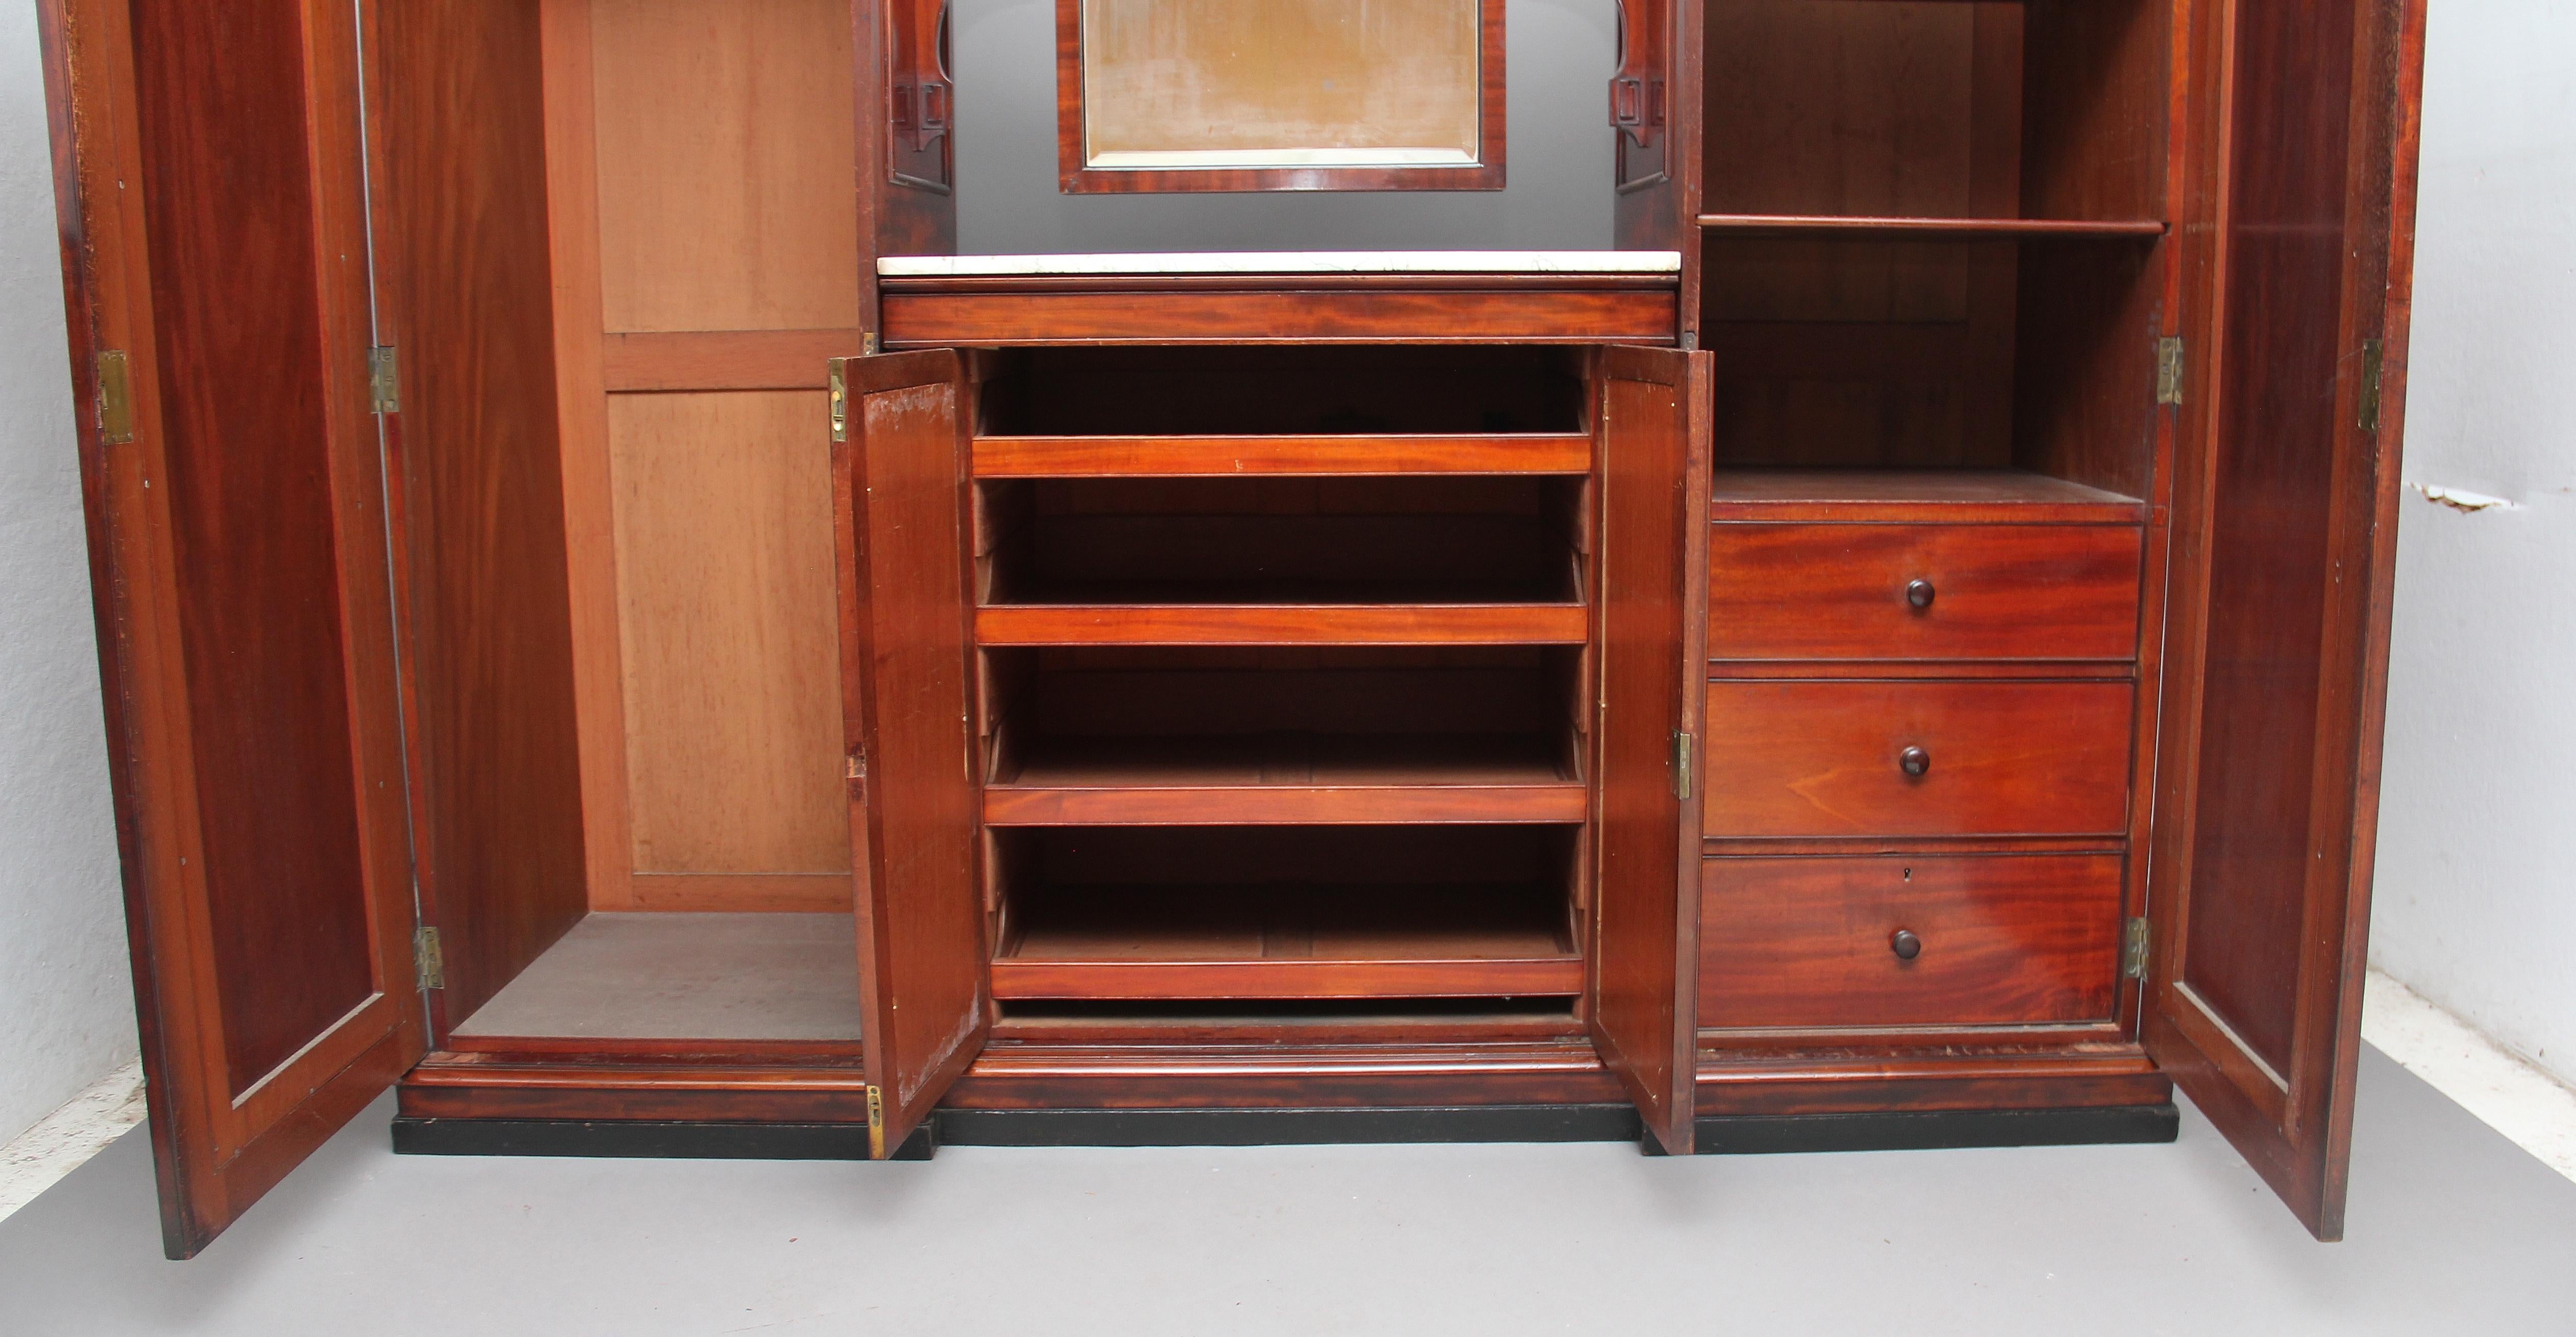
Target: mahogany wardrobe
x=616, y=630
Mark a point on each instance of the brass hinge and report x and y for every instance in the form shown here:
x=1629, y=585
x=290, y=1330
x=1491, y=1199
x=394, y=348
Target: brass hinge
x=384, y=380
x=2374, y=371
x=876, y=1124
x=1681, y=765
x=115, y=399
x=430, y=960
x=840, y=383
x=2133, y=950
x=2168, y=371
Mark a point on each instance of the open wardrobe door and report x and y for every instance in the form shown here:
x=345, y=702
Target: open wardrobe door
x=1651, y=407
x=2285, y=536
x=899, y=483
x=208, y=170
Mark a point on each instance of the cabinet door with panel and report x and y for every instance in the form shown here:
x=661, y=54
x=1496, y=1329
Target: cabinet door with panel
x=209, y=174
x=1652, y=423
x=900, y=475
x=2285, y=538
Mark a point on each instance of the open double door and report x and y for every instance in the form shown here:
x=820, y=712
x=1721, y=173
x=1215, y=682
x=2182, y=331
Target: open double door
x=234, y=468
x=901, y=469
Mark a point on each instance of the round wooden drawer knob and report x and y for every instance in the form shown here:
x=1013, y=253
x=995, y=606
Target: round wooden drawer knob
x=1920, y=594
x=1905, y=945
x=1915, y=762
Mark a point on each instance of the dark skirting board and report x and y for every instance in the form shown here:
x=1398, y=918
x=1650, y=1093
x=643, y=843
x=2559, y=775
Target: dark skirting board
x=1917, y=1130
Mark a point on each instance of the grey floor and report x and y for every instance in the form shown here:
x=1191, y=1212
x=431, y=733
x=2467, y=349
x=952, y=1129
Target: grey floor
x=2453, y=1230
x=687, y=976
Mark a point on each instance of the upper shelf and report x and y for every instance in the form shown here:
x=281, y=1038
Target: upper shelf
x=1924, y=496
x=1930, y=229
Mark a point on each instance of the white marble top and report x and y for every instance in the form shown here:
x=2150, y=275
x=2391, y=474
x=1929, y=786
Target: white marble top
x=1287, y=262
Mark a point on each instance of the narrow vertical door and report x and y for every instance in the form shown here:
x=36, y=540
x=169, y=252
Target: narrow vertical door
x=2299, y=218
x=899, y=484
x=1651, y=417
x=208, y=171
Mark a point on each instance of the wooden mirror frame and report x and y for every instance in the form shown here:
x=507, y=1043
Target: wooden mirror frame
x=1077, y=177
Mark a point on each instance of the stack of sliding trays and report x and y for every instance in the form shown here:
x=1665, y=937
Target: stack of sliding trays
x=1280, y=660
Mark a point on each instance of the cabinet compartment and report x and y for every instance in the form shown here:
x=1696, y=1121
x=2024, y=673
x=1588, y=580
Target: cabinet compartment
x=1827, y=759
x=1286, y=913
x=1227, y=736
x=1324, y=541
x=1930, y=592
x=1183, y=390
x=2005, y=940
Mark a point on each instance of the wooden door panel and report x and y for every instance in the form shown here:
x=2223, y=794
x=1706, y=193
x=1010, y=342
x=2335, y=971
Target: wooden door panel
x=900, y=505
x=1652, y=416
x=2284, y=536
x=210, y=159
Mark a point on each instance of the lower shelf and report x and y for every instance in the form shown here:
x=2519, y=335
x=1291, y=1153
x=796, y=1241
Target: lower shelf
x=1290, y=942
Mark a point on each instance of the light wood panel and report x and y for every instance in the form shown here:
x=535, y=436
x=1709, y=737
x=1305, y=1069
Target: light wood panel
x=726, y=621
x=727, y=195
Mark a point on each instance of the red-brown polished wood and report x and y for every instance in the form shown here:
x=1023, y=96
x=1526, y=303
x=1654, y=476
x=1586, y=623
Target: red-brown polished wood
x=2285, y=512
x=465, y=295
x=1828, y=758
x=209, y=171
x=899, y=486
x=1809, y=943
x=1287, y=624
x=1942, y=592
x=1254, y=309
x=1653, y=424
x=1241, y=456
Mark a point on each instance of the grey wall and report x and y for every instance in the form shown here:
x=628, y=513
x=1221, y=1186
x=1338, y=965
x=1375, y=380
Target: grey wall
x=1558, y=60
x=66, y=1008
x=2477, y=868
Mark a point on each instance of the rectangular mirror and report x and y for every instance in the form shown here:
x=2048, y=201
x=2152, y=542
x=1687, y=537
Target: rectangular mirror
x=1224, y=95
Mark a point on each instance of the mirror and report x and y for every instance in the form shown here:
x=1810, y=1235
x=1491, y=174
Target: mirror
x=1224, y=95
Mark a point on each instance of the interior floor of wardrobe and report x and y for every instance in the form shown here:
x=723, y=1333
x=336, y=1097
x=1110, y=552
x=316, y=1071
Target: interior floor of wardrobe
x=686, y=977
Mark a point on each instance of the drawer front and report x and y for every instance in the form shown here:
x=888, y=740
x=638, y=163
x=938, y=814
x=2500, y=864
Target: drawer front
x=1815, y=759
x=2002, y=940
x=1780, y=591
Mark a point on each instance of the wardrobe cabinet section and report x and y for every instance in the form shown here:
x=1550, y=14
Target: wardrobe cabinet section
x=617, y=630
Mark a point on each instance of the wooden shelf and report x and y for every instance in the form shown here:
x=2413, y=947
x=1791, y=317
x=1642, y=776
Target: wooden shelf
x=1253, y=456
x=1927, y=496
x=1289, y=942
x=1930, y=229
x=1282, y=624
x=1290, y=779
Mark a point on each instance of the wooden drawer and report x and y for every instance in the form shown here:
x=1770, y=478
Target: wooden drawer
x=1792, y=759
x=2005, y=940
x=1840, y=591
